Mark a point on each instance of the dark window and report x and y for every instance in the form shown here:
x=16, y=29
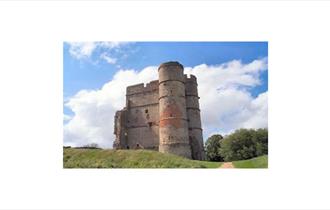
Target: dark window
x=146, y=111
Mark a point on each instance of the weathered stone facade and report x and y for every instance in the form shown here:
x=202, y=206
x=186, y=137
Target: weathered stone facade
x=164, y=115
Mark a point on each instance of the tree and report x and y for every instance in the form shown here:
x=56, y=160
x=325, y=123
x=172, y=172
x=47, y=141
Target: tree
x=244, y=144
x=212, y=147
x=261, y=140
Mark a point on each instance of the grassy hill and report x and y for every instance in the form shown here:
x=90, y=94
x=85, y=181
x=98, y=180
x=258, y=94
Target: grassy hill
x=258, y=162
x=108, y=158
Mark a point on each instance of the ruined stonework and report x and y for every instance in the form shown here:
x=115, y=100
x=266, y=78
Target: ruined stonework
x=164, y=115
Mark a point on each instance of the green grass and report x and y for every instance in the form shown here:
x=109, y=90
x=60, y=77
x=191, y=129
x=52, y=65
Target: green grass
x=258, y=162
x=108, y=158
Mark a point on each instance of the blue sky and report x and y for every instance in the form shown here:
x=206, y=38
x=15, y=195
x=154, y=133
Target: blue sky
x=89, y=66
x=92, y=73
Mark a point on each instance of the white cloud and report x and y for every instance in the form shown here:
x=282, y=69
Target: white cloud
x=84, y=50
x=66, y=117
x=111, y=45
x=81, y=50
x=108, y=59
x=225, y=100
x=257, y=112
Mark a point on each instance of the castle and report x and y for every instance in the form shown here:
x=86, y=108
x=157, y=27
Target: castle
x=164, y=115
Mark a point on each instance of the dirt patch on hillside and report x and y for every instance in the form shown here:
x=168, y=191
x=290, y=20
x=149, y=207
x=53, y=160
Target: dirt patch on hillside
x=227, y=165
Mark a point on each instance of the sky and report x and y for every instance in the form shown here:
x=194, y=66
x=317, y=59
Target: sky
x=232, y=83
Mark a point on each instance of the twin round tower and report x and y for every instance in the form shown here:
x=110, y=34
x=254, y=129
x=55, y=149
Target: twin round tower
x=162, y=115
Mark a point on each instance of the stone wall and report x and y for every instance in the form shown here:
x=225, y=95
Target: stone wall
x=142, y=115
x=162, y=115
x=173, y=125
x=120, y=129
x=194, y=119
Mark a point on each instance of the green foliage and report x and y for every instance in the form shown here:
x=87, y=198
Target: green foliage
x=212, y=148
x=108, y=158
x=261, y=139
x=244, y=144
x=258, y=162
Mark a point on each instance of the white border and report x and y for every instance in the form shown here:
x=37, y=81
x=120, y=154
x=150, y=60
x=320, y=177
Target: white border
x=32, y=34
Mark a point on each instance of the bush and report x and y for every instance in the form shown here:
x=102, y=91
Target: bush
x=212, y=148
x=244, y=144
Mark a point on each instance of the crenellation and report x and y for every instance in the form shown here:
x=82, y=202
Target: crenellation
x=190, y=78
x=153, y=85
x=142, y=88
x=133, y=89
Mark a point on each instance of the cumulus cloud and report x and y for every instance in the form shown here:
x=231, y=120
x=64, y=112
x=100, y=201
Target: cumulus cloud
x=81, y=50
x=225, y=101
x=108, y=59
x=84, y=50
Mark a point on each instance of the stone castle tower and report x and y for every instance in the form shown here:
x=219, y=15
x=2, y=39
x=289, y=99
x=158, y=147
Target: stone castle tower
x=164, y=115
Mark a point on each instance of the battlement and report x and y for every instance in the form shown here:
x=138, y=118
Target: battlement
x=142, y=88
x=190, y=78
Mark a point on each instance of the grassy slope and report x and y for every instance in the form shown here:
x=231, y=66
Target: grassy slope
x=96, y=158
x=258, y=162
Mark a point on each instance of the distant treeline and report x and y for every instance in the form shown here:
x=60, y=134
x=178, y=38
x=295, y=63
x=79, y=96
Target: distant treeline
x=87, y=146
